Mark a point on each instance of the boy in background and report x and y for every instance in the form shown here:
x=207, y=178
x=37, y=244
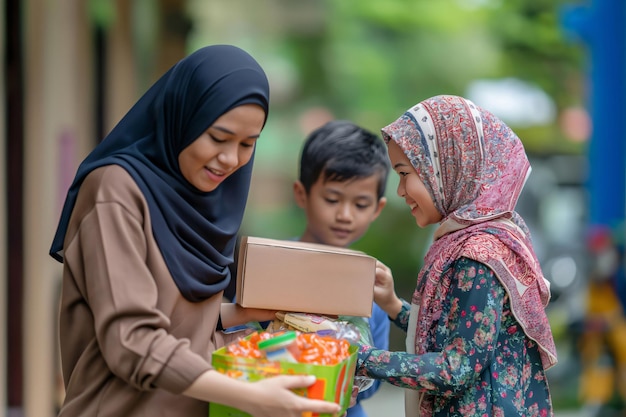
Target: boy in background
x=341, y=188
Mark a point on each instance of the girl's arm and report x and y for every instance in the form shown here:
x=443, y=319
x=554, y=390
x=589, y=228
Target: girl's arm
x=468, y=330
x=379, y=325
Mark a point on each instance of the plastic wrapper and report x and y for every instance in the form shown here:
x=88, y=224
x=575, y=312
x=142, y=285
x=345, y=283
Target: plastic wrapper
x=355, y=330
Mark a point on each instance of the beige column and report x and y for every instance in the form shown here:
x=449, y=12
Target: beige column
x=121, y=81
x=59, y=118
x=58, y=133
x=3, y=222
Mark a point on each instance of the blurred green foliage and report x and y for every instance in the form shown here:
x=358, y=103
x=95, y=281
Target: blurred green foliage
x=368, y=61
x=371, y=60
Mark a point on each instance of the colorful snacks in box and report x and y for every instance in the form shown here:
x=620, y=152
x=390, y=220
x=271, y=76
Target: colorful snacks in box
x=353, y=329
x=331, y=360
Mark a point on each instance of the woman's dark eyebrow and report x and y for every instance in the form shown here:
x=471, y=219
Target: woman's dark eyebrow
x=399, y=164
x=223, y=129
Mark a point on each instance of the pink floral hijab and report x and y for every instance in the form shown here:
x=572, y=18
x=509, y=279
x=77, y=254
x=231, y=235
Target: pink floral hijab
x=474, y=167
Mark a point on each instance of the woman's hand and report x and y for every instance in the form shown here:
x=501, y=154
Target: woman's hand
x=384, y=291
x=234, y=315
x=277, y=399
x=259, y=314
x=268, y=397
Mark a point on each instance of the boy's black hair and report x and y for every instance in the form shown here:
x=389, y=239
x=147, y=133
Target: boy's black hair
x=342, y=151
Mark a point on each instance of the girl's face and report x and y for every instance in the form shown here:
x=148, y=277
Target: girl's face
x=226, y=146
x=412, y=189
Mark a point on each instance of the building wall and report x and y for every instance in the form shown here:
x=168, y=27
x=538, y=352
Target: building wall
x=3, y=222
x=58, y=131
x=60, y=128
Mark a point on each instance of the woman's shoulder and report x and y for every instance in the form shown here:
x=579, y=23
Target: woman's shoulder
x=110, y=184
x=108, y=174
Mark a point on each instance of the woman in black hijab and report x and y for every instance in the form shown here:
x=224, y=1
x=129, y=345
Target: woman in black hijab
x=146, y=236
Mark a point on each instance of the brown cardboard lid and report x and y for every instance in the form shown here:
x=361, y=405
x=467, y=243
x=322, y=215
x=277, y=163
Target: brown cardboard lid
x=294, y=276
x=295, y=244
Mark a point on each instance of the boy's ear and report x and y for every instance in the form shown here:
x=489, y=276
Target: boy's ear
x=382, y=202
x=299, y=194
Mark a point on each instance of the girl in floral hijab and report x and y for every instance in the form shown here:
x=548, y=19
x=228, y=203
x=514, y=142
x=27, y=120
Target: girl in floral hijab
x=478, y=339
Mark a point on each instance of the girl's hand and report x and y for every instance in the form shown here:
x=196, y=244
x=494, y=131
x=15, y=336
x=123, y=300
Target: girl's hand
x=384, y=291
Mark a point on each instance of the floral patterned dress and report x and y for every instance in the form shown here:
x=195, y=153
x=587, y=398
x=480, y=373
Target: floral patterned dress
x=479, y=361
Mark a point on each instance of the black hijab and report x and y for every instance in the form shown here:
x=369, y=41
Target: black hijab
x=195, y=231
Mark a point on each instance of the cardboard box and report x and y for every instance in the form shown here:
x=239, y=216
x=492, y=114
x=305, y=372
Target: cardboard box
x=304, y=277
x=334, y=382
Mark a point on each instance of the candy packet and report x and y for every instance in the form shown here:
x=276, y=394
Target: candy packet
x=354, y=329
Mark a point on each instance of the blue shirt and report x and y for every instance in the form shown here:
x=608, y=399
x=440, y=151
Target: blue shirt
x=379, y=325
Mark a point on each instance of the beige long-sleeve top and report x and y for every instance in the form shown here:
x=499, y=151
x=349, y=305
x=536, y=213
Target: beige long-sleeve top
x=130, y=342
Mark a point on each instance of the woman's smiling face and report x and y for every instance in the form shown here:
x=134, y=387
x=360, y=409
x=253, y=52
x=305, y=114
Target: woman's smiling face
x=226, y=146
x=412, y=189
